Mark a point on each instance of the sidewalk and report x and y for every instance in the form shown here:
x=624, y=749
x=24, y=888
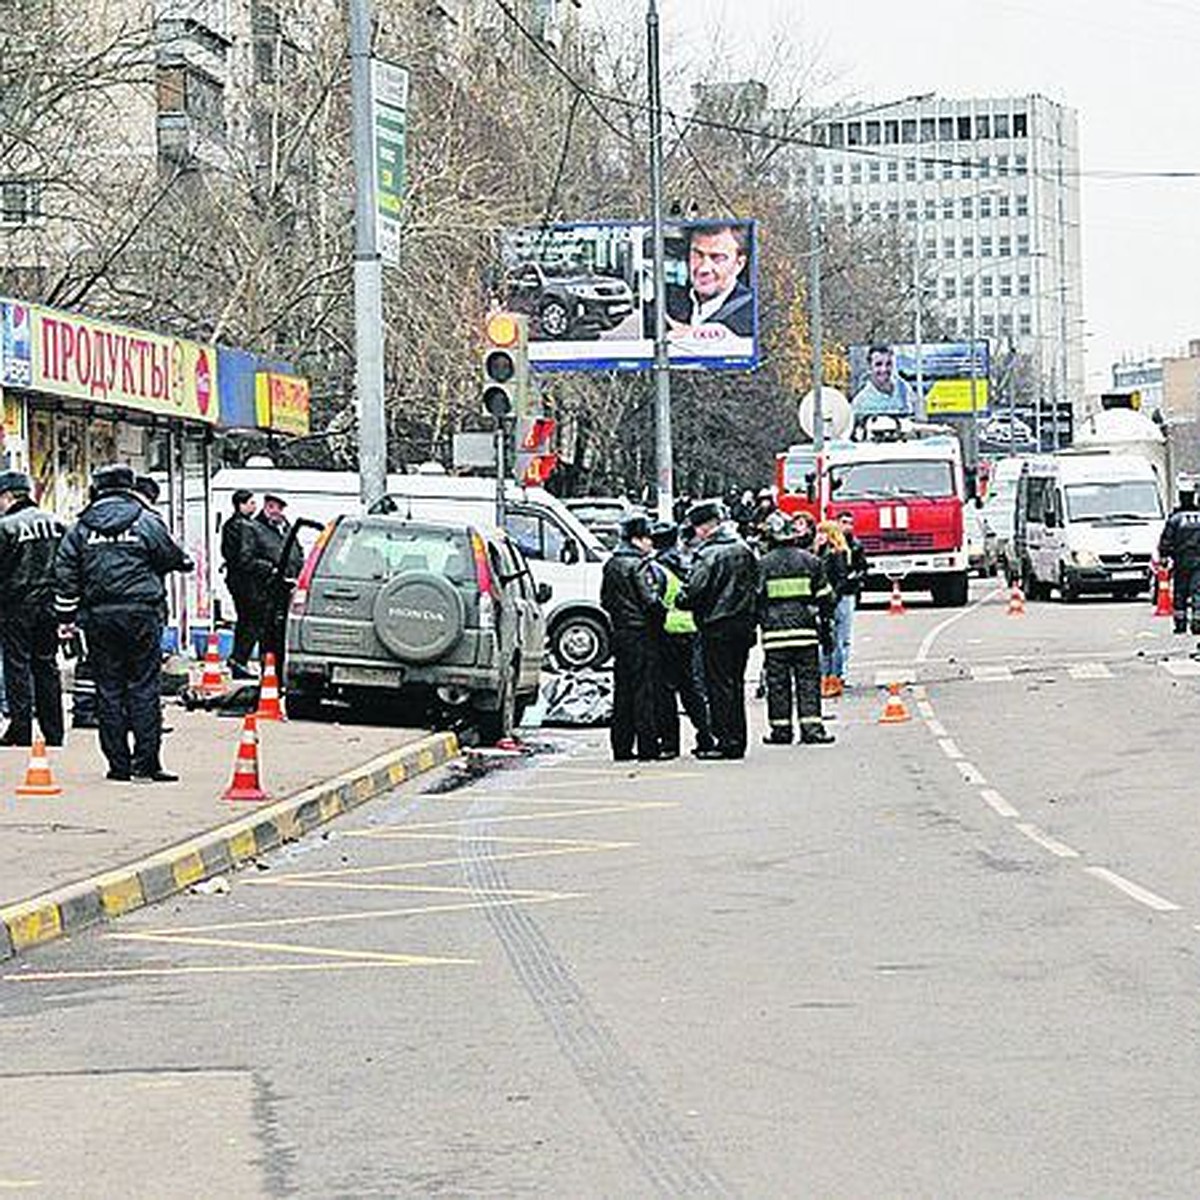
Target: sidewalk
x=53, y=849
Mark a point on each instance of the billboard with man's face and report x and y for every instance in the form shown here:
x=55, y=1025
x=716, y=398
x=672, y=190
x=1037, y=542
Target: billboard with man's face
x=588, y=291
x=883, y=379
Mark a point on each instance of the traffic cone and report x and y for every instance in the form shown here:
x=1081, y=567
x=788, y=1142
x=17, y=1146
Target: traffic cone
x=896, y=603
x=894, y=712
x=1016, y=601
x=829, y=687
x=212, y=682
x=245, y=785
x=39, y=780
x=1164, y=605
x=269, y=708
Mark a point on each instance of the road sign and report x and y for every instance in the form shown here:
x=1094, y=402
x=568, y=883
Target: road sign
x=389, y=119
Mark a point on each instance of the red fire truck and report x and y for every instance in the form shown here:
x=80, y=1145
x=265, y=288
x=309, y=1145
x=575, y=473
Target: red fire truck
x=904, y=484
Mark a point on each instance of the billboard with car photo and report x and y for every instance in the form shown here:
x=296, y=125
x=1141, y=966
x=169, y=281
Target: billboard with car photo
x=588, y=290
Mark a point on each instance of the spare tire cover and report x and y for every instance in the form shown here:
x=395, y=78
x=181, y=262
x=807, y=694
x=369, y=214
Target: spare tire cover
x=419, y=616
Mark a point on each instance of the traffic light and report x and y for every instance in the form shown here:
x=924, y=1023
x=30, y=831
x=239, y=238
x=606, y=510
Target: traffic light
x=535, y=460
x=505, y=365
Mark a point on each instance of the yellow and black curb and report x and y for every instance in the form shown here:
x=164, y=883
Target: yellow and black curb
x=66, y=910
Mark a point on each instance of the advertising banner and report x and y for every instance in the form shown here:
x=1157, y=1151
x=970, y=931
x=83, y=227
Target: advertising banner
x=883, y=379
x=282, y=403
x=16, y=344
x=111, y=364
x=588, y=290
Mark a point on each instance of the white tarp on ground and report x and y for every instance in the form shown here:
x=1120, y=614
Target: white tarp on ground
x=573, y=698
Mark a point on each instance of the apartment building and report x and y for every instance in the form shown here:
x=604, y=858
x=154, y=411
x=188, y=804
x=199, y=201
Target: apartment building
x=989, y=190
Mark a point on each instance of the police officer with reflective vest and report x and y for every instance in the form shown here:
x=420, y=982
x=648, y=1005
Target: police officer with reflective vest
x=631, y=595
x=681, y=675
x=109, y=576
x=721, y=591
x=1180, y=542
x=795, y=610
x=29, y=538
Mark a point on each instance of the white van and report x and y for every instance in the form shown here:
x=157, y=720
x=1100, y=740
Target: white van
x=561, y=550
x=1087, y=521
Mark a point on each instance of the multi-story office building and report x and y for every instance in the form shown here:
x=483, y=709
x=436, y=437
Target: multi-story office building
x=989, y=189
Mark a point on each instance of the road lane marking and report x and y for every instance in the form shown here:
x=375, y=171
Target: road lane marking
x=986, y=674
x=890, y=675
x=1133, y=891
x=1057, y=848
x=1181, y=668
x=997, y=803
x=970, y=773
x=1095, y=670
x=511, y=818
x=949, y=747
x=936, y=728
x=936, y=632
x=925, y=709
x=920, y=692
x=264, y=968
x=374, y=956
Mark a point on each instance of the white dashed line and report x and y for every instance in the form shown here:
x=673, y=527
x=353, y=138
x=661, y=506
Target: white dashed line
x=992, y=674
x=970, y=773
x=1057, y=848
x=925, y=709
x=936, y=728
x=1097, y=670
x=997, y=803
x=949, y=748
x=1182, y=668
x=1133, y=891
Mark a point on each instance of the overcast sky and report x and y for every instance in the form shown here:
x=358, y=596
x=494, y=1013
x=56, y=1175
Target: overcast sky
x=1131, y=69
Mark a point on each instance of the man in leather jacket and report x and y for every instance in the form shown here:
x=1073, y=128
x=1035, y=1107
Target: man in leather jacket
x=29, y=538
x=109, y=575
x=630, y=593
x=795, y=610
x=1180, y=542
x=721, y=592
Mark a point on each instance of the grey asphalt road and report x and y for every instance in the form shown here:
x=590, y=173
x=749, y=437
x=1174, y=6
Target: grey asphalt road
x=950, y=957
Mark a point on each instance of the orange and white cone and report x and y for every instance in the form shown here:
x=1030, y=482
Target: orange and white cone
x=1164, y=605
x=39, y=779
x=245, y=785
x=896, y=603
x=895, y=711
x=269, y=708
x=1016, y=601
x=212, y=682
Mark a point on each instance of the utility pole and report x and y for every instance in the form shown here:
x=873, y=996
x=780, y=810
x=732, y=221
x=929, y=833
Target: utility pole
x=816, y=316
x=664, y=464
x=368, y=268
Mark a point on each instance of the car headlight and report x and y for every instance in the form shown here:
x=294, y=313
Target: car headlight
x=1085, y=558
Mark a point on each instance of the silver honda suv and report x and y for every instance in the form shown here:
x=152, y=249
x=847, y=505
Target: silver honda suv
x=437, y=618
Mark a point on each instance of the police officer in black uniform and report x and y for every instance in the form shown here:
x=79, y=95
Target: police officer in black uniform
x=109, y=577
x=795, y=610
x=681, y=677
x=272, y=575
x=29, y=538
x=721, y=592
x=631, y=595
x=237, y=543
x=1180, y=542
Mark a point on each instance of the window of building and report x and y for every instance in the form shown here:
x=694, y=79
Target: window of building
x=837, y=209
x=984, y=167
x=1005, y=285
x=1022, y=285
x=968, y=207
x=872, y=131
x=1024, y=324
x=1022, y=245
x=1020, y=125
x=1002, y=165
x=931, y=247
x=1002, y=204
x=948, y=208
x=838, y=173
x=1022, y=204
x=983, y=127
x=873, y=170
x=875, y=208
x=949, y=287
x=853, y=133
x=964, y=170
x=1020, y=164
x=985, y=286
x=910, y=170
x=856, y=172
x=985, y=245
x=985, y=206
x=1004, y=246
x=930, y=169
x=968, y=247
x=908, y=131
x=947, y=169
x=988, y=324
x=948, y=247
x=20, y=202
x=893, y=170
x=837, y=136
x=856, y=210
x=1006, y=324
x=930, y=209
x=820, y=174
x=964, y=129
x=910, y=210
x=1000, y=125
x=945, y=129
x=891, y=133
x=893, y=210
x=952, y=326
x=184, y=91
x=928, y=129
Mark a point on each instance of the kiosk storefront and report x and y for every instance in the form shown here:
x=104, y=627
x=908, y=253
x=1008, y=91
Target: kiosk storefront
x=79, y=393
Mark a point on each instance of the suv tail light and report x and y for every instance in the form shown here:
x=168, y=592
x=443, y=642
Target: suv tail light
x=483, y=577
x=300, y=594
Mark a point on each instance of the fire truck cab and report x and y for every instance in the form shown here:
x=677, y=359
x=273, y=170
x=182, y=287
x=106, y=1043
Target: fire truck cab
x=904, y=485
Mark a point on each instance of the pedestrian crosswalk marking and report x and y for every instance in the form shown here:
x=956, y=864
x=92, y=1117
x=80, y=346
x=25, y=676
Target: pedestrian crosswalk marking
x=992, y=674
x=1182, y=668
x=1092, y=670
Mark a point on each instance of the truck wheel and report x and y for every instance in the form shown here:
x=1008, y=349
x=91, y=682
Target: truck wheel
x=1068, y=589
x=579, y=641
